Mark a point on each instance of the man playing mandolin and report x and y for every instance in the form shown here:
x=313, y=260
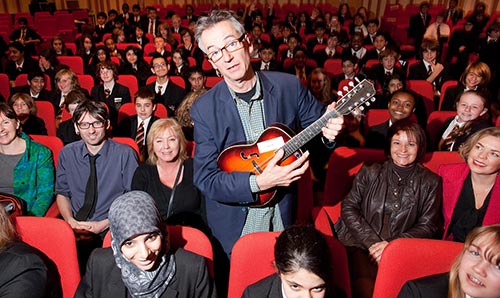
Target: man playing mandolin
x=238, y=110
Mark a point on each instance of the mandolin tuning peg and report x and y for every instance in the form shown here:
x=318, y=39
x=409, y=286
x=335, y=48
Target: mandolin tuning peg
x=367, y=103
x=339, y=93
x=345, y=88
x=351, y=84
x=362, y=108
x=373, y=99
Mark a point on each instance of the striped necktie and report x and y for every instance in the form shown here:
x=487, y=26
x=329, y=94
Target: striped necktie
x=139, y=137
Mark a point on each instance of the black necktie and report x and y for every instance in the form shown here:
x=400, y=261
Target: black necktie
x=159, y=90
x=438, y=31
x=88, y=208
x=429, y=70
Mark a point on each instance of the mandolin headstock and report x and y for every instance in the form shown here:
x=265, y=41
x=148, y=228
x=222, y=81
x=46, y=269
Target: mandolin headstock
x=355, y=97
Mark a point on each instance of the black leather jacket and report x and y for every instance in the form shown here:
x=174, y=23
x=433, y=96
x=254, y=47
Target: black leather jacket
x=416, y=216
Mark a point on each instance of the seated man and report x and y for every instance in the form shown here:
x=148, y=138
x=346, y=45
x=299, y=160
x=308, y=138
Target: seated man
x=36, y=86
x=137, y=126
x=105, y=165
x=166, y=92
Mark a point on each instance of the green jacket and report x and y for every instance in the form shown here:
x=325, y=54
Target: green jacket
x=34, y=177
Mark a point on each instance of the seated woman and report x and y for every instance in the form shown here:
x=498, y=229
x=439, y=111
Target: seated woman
x=27, y=169
x=66, y=130
x=25, y=109
x=26, y=271
x=179, y=65
x=196, y=79
x=401, y=106
x=320, y=87
x=140, y=262
x=475, y=77
x=167, y=176
x=473, y=274
x=399, y=198
x=134, y=64
x=301, y=258
x=472, y=115
x=471, y=190
x=59, y=47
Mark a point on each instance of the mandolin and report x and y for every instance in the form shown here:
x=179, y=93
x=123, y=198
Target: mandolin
x=254, y=157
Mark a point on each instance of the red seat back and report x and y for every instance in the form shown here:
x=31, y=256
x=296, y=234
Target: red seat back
x=45, y=110
x=405, y=259
x=55, y=238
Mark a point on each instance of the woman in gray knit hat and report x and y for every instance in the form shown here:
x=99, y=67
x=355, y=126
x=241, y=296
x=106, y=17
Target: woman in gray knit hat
x=140, y=262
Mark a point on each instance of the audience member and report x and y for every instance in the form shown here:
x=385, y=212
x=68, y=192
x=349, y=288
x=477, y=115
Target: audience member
x=462, y=43
x=302, y=261
x=167, y=176
x=299, y=67
x=419, y=23
x=66, y=130
x=35, y=87
x=267, y=59
x=113, y=94
x=438, y=31
x=179, y=64
x=100, y=27
x=319, y=85
x=294, y=41
x=26, y=271
x=139, y=37
x=358, y=25
x=349, y=70
x=101, y=54
x=134, y=64
x=165, y=32
x=471, y=190
x=108, y=168
x=318, y=39
x=453, y=13
x=429, y=68
x=330, y=52
x=380, y=45
x=475, y=77
x=27, y=36
x=27, y=167
x=166, y=92
x=160, y=48
x=472, y=115
x=66, y=81
x=86, y=48
x=110, y=43
x=387, y=67
x=49, y=64
x=344, y=13
x=401, y=106
x=138, y=126
x=140, y=261
x=151, y=23
x=336, y=27
x=191, y=49
x=399, y=198
x=25, y=109
x=477, y=263
x=136, y=19
x=19, y=62
x=356, y=48
x=58, y=46
x=479, y=17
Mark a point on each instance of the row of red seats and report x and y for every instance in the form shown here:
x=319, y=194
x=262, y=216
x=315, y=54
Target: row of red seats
x=252, y=257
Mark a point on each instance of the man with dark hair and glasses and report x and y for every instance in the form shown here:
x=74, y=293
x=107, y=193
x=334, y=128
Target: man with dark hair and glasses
x=166, y=92
x=238, y=110
x=90, y=174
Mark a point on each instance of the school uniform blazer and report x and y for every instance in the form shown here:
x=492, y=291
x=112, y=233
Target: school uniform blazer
x=433, y=286
x=269, y=287
x=119, y=91
x=171, y=98
x=454, y=176
x=217, y=125
x=377, y=135
x=104, y=279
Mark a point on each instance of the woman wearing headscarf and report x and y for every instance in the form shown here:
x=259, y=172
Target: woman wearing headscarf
x=140, y=262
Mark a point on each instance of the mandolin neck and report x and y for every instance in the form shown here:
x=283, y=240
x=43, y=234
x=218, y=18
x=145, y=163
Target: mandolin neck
x=307, y=134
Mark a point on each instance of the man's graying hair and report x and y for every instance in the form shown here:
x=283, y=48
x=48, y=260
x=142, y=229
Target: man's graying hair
x=215, y=17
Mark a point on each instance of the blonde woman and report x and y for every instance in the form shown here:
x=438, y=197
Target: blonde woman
x=475, y=272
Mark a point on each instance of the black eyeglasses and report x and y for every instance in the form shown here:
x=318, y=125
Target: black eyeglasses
x=230, y=47
x=95, y=124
